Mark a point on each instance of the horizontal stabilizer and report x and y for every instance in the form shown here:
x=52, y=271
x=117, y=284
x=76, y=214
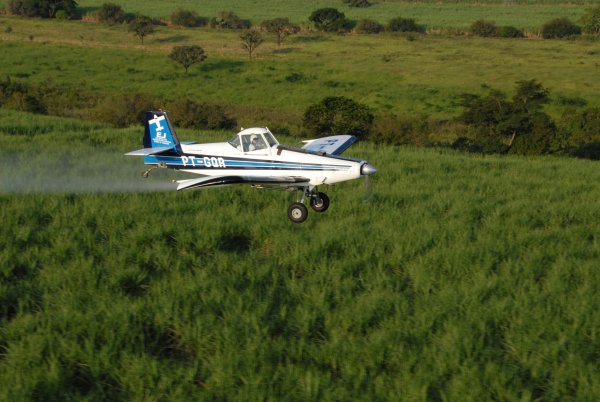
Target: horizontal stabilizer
x=212, y=181
x=333, y=145
x=148, y=151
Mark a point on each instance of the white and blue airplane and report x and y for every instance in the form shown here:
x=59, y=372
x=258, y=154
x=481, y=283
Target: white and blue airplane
x=253, y=156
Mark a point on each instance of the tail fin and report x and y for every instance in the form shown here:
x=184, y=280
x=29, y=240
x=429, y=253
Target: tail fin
x=158, y=131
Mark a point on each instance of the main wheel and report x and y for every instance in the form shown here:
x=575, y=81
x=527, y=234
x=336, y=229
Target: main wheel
x=297, y=212
x=320, y=203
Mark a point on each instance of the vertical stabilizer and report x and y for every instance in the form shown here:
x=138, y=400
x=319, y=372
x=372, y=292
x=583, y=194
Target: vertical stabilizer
x=158, y=131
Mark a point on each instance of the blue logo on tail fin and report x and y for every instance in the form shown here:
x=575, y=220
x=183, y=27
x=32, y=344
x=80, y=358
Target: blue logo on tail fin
x=158, y=131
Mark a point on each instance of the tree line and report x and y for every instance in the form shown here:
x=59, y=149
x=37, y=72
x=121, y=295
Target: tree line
x=493, y=123
x=326, y=19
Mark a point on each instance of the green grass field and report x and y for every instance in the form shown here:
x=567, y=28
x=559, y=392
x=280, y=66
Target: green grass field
x=529, y=15
x=387, y=72
x=463, y=278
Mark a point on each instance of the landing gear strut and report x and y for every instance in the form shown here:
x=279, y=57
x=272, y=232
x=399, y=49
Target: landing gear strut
x=319, y=202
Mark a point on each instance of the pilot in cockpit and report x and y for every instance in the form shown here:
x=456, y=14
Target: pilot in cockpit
x=253, y=143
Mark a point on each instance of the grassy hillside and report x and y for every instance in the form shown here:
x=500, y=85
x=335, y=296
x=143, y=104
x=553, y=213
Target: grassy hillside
x=463, y=278
x=435, y=14
x=387, y=72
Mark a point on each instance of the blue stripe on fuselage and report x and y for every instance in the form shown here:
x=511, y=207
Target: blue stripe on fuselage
x=203, y=162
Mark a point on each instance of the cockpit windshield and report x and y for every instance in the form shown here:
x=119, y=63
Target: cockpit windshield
x=270, y=139
x=235, y=141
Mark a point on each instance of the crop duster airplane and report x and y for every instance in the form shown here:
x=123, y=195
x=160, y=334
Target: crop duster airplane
x=253, y=156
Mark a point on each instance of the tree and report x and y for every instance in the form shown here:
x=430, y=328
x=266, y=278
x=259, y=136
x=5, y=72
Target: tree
x=591, y=21
x=400, y=24
x=338, y=115
x=329, y=20
x=187, y=55
x=185, y=18
x=281, y=27
x=141, y=26
x=228, y=20
x=41, y=8
x=502, y=123
x=251, y=39
x=110, y=13
x=560, y=28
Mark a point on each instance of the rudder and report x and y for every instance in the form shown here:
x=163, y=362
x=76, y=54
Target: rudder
x=158, y=131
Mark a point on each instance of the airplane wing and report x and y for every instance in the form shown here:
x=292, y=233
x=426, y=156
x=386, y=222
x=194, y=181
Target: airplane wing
x=333, y=145
x=212, y=181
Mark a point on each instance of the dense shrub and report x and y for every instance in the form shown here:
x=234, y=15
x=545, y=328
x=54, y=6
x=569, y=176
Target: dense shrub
x=338, y=115
x=400, y=24
x=41, y=8
x=510, y=32
x=329, y=20
x=560, y=28
x=186, y=18
x=110, y=13
x=190, y=114
x=367, y=26
x=581, y=130
x=125, y=109
x=591, y=21
x=229, y=20
x=357, y=3
x=483, y=28
x=18, y=96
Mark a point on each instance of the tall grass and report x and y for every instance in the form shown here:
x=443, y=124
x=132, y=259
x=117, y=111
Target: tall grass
x=463, y=278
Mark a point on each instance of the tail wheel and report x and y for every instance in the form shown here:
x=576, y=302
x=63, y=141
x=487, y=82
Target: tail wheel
x=297, y=212
x=320, y=202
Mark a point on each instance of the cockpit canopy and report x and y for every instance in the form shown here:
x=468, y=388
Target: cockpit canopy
x=253, y=139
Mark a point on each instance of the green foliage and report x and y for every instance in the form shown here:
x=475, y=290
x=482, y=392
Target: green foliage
x=517, y=126
x=281, y=27
x=509, y=32
x=560, y=28
x=187, y=113
x=111, y=13
x=581, y=128
x=229, y=20
x=18, y=96
x=187, y=55
x=141, y=26
x=329, y=20
x=125, y=109
x=338, y=115
x=368, y=26
x=400, y=24
x=41, y=8
x=357, y=3
x=484, y=28
x=186, y=18
x=251, y=39
x=591, y=21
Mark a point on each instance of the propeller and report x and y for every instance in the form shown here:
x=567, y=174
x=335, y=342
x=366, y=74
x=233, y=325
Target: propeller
x=367, y=170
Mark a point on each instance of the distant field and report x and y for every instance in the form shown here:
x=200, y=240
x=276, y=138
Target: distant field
x=528, y=15
x=385, y=71
x=463, y=278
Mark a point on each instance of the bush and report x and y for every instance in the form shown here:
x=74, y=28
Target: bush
x=560, y=28
x=110, y=13
x=329, y=20
x=338, y=115
x=400, y=24
x=41, y=8
x=228, y=20
x=483, y=28
x=124, y=110
x=591, y=21
x=185, y=18
x=18, y=96
x=510, y=32
x=62, y=15
x=357, y=3
x=368, y=27
x=190, y=114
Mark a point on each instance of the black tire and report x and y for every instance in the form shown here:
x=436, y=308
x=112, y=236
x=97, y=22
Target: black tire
x=320, y=203
x=297, y=212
